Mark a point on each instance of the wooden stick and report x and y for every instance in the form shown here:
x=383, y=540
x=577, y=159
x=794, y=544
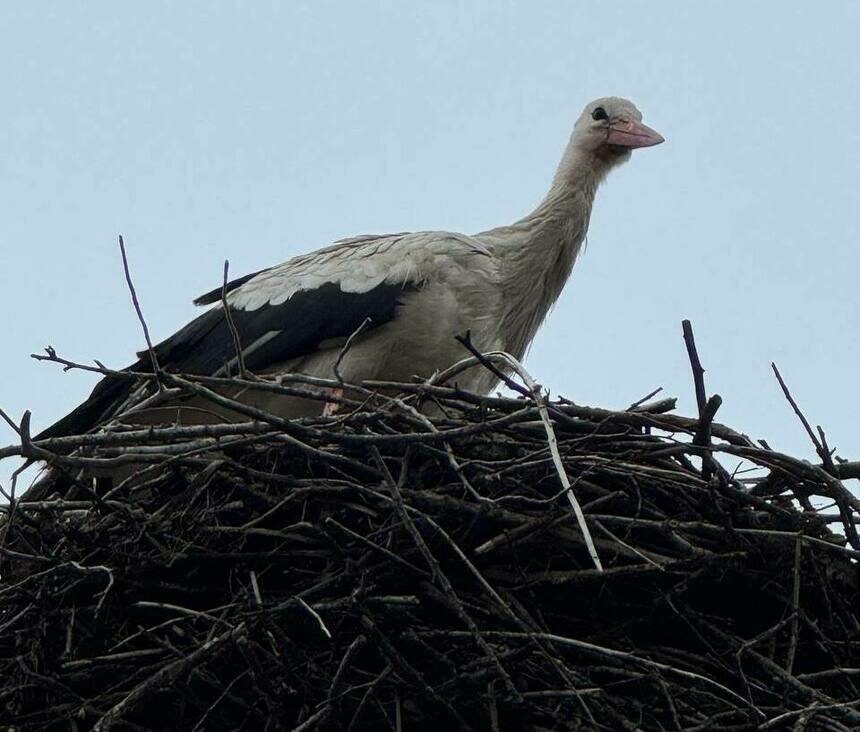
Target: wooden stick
x=152, y=356
x=234, y=332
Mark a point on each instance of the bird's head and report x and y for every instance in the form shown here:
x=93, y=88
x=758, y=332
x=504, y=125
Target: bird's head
x=609, y=128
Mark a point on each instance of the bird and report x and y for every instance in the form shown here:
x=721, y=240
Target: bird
x=403, y=298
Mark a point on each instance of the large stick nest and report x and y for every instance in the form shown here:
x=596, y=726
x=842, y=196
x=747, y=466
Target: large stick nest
x=374, y=571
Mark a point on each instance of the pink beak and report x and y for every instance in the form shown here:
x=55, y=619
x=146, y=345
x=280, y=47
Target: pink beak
x=630, y=134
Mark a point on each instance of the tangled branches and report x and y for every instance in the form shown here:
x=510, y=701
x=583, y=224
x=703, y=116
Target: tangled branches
x=381, y=570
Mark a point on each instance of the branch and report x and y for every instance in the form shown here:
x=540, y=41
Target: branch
x=823, y=453
x=696, y=365
x=346, y=346
x=155, y=368
x=228, y=315
x=707, y=407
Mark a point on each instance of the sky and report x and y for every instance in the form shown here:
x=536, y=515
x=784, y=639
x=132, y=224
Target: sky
x=205, y=131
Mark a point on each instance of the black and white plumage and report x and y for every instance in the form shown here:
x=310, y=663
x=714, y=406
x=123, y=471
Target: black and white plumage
x=419, y=291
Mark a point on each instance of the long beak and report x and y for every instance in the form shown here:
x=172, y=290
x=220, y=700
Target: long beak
x=630, y=134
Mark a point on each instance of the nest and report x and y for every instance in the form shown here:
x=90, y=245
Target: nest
x=378, y=570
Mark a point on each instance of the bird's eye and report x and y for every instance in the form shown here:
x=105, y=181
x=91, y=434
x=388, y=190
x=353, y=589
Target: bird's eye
x=599, y=113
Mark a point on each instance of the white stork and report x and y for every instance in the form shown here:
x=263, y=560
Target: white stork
x=418, y=290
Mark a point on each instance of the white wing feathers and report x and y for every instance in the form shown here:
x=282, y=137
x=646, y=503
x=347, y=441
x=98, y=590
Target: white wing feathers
x=358, y=265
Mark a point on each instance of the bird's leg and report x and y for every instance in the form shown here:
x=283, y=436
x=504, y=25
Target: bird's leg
x=331, y=407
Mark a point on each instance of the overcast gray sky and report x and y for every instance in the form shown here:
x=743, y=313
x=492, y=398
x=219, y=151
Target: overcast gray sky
x=257, y=131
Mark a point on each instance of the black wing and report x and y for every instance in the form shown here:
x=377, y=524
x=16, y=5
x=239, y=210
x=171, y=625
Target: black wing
x=275, y=333
x=269, y=335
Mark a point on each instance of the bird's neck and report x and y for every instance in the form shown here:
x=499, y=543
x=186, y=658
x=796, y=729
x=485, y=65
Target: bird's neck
x=536, y=254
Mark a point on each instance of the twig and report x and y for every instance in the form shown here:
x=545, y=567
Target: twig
x=152, y=356
x=316, y=616
x=807, y=712
x=352, y=650
x=703, y=435
x=234, y=332
x=312, y=721
x=707, y=407
x=487, y=362
x=256, y=589
x=639, y=402
x=10, y=422
x=220, y=698
x=825, y=456
x=795, y=606
x=696, y=365
x=367, y=322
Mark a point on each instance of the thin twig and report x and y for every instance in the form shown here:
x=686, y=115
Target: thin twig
x=10, y=422
x=234, y=332
x=316, y=616
x=795, y=606
x=639, y=402
x=366, y=323
x=152, y=355
x=825, y=456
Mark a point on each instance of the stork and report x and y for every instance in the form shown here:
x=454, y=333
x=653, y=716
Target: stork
x=414, y=292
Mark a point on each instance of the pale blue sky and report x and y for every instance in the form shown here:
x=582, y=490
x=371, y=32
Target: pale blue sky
x=257, y=131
